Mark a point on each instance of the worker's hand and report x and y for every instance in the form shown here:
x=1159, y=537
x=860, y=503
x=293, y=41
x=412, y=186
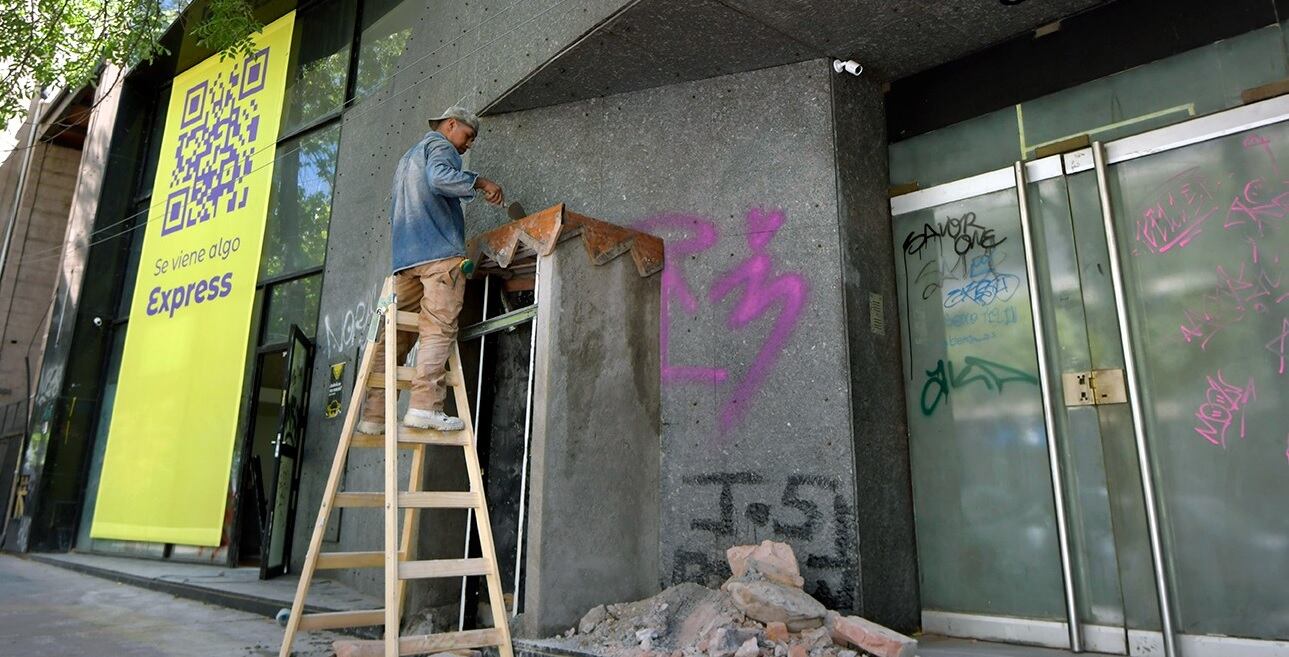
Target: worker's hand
x=491, y=191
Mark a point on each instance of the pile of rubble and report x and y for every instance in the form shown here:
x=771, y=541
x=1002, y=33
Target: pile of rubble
x=761, y=611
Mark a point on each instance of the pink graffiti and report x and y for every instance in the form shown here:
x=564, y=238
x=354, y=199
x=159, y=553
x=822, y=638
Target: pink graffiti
x=703, y=237
x=761, y=290
x=1218, y=412
x=1249, y=209
x=1277, y=344
x=1178, y=214
x=1256, y=140
x=1254, y=286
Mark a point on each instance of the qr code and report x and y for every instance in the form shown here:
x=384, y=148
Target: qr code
x=218, y=128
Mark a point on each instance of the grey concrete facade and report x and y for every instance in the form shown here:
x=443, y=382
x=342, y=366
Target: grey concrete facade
x=712, y=167
x=740, y=175
x=592, y=531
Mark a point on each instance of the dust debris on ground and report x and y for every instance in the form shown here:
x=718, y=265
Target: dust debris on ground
x=761, y=611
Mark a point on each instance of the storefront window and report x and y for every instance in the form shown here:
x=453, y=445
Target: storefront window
x=293, y=302
x=386, y=26
x=295, y=237
x=319, y=65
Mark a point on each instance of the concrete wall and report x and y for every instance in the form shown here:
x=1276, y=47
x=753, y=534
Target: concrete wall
x=593, y=520
x=884, y=494
x=460, y=54
x=27, y=282
x=737, y=174
x=740, y=175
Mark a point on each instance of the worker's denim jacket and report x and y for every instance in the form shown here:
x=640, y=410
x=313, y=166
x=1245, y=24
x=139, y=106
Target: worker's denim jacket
x=425, y=212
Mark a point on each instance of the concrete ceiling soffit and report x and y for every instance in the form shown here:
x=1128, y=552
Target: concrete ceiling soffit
x=896, y=38
x=653, y=43
x=650, y=44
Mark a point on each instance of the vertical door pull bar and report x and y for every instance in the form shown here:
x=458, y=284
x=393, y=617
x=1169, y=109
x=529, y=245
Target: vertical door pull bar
x=1049, y=420
x=1134, y=402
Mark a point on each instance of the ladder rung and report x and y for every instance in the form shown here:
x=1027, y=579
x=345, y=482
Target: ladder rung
x=408, y=322
x=363, y=440
x=408, y=438
x=405, y=376
x=358, y=500
x=341, y=560
x=424, y=644
x=442, y=568
x=439, y=500
x=334, y=620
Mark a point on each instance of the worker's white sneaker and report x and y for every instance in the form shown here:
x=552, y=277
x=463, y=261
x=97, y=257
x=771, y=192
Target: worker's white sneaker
x=420, y=419
x=371, y=428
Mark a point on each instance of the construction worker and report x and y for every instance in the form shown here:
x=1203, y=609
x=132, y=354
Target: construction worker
x=430, y=268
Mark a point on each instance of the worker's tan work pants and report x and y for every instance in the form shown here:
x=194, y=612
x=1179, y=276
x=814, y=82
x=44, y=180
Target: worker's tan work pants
x=436, y=289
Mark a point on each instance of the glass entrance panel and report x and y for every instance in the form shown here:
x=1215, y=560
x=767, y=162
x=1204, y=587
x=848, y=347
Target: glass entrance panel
x=286, y=456
x=983, y=506
x=1079, y=429
x=1204, y=246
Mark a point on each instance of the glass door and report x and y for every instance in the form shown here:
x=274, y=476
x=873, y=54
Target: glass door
x=285, y=482
x=1099, y=439
x=997, y=560
x=1199, y=212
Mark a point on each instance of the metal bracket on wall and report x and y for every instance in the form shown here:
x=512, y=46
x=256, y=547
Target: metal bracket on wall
x=1095, y=387
x=498, y=323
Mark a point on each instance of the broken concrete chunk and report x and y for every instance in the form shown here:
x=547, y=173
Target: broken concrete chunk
x=819, y=637
x=871, y=637
x=592, y=619
x=646, y=637
x=776, y=631
x=774, y=561
x=767, y=602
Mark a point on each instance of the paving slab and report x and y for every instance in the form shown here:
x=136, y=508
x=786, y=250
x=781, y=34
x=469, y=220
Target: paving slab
x=238, y=588
x=54, y=612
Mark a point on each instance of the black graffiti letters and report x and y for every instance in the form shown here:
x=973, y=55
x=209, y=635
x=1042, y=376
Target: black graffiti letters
x=963, y=232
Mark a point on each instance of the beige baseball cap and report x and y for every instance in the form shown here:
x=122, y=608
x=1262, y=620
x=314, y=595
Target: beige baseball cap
x=459, y=113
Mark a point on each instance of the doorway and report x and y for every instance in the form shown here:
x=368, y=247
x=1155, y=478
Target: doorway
x=270, y=479
x=1095, y=350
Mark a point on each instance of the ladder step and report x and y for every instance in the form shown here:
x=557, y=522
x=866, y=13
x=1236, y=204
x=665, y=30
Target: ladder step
x=405, y=376
x=440, y=500
x=342, y=560
x=420, y=645
x=359, y=500
x=443, y=568
x=408, y=438
x=408, y=322
x=334, y=620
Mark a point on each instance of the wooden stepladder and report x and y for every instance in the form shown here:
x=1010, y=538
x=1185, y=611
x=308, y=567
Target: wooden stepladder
x=397, y=557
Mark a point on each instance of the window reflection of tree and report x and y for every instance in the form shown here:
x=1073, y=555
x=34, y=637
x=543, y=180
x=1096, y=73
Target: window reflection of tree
x=386, y=29
x=300, y=209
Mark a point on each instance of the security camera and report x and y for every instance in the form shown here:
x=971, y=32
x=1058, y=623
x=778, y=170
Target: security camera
x=850, y=66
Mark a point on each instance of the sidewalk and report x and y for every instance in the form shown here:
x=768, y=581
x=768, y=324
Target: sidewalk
x=237, y=588
x=47, y=611
x=242, y=590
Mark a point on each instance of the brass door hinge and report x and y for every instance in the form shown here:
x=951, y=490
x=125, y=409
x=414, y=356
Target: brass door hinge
x=1094, y=387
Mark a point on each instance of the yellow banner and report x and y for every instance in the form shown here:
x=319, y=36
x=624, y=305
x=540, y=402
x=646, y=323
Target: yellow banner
x=174, y=421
